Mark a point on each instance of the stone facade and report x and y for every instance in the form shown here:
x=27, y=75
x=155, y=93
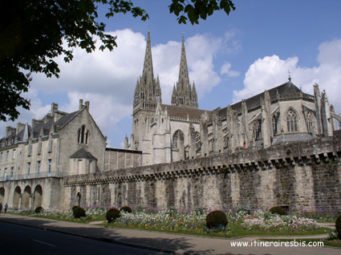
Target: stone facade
x=34, y=158
x=304, y=176
x=280, y=147
x=181, y=131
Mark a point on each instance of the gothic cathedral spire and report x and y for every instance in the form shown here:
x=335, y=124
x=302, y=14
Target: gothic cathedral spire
x=147, y=90
x=148, y=60
x=183, y=94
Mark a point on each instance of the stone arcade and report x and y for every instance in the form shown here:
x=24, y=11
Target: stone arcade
x=280, y=147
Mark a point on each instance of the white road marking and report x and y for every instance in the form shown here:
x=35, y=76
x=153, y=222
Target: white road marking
x=44, y=243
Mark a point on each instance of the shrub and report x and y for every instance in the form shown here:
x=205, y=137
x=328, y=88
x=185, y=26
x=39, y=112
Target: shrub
x=244, y=211
x=126, y=209
x=216, y=219
x=78, y=212
x=112, y=214
x=278, y=210
x=199, y=211
x=39, y=209
x=338, y=226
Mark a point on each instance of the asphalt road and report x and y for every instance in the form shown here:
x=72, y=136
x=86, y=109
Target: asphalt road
x=16, y=239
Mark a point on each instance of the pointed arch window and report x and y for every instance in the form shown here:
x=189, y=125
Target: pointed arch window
x=226, y=141
x=257, y=129
x=292, y=121
x=178, y=139
x=310, y=123
x=275, y=122
x=83, y=135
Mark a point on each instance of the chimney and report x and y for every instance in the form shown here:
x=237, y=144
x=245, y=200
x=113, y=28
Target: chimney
x=20, y=127
x=80, y=104
x=10, y=131
x=54, y=108
x=87, y=105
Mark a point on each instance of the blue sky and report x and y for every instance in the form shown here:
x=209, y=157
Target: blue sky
x=230, y=58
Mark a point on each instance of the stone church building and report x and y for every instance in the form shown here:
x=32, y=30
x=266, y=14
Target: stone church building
x=280, y=147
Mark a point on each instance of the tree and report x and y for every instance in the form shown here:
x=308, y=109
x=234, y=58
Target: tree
x=34, y=32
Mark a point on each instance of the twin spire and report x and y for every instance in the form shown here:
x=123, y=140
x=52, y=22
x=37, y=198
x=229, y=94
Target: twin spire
x=148, y=91
x=183, y=94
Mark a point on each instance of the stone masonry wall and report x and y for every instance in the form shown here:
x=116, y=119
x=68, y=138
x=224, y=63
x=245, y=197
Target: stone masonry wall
x=305, y=177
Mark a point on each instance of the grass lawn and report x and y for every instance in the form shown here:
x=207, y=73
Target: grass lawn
x=234, y=230
x=64, y=217
x=334, y=243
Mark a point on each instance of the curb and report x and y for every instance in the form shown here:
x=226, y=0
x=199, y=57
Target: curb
x=101, y=239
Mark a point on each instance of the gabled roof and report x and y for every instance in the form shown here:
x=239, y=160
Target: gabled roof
x=82, y=153
x=66, y=119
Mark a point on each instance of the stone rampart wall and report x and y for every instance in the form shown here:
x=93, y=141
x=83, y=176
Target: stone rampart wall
x=303, y=176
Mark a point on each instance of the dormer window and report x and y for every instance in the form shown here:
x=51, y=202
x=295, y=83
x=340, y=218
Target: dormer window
x=83, y=135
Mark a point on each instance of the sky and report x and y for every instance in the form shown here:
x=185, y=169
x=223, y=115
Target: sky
x=230, y=58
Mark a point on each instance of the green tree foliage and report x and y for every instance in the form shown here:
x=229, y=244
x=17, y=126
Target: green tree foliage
x=34, y=32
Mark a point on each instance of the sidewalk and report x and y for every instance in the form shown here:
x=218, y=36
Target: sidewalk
x=171, y=243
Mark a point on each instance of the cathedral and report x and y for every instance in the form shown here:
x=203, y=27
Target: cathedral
x=279, y=147
x=167, y=133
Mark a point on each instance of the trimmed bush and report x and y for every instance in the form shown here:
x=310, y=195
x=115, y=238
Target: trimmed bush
x=78, y=212
x=338, y=226
x=126, y=209
x=216, y=220
x=112, y=214
x=278, y=210
x=39, y=209
x=244, y=211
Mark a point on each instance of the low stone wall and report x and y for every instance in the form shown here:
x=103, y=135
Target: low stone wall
x=303, y=176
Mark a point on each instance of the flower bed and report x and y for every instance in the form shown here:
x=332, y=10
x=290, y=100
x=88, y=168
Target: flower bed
x=268, y=221
x=240, y=224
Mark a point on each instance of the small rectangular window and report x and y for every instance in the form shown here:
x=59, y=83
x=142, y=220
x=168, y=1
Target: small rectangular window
x=29, y=150
x=49, y=149
x=38, y=166
x=28, y=168
x=49, y=165
x=39, y=148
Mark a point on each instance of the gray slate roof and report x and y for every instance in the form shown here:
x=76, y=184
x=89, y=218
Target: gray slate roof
x=82, y=153
x=284, y=91
x=44, y=126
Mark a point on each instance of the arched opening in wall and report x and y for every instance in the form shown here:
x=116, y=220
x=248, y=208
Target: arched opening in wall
x=310, y=122
x=79, y=198
x=83, y=135
x=2, y=195
x=26, y=198
x=292, y=121
x=178, y=142
x=37, y=196
x=275, y=124
x=197, y=142
x=17, y=197
x=257, y=130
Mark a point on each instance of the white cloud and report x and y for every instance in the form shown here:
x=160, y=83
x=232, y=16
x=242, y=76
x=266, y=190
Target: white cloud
x=108, y=79
x=226, y=69
x=105, y=72
x=270, y=71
